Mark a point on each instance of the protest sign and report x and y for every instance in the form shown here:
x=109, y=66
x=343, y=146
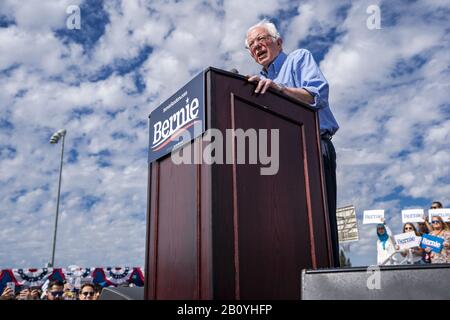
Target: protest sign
x=373, y=216
x=412, y=215
x=435, y=243
x=443, y=212
x=407, y=240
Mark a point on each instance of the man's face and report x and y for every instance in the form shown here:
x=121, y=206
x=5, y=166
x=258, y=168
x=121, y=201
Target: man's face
x=56, y=293
x=263, y=47
x=88, y=293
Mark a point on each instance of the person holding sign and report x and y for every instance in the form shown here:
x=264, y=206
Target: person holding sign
x=415, y=255
x=440, y=229
x=424, y=227
x=385, y=244
x=438, y=205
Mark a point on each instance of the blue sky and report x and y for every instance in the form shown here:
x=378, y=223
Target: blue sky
x=389, y=90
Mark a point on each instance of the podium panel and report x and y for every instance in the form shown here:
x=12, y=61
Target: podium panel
x=272, y=221
x=224, y=231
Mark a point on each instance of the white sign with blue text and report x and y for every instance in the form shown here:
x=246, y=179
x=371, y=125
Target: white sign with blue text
x=407, y=240
x=412, y=215
x=373, y=216
x=443, y=212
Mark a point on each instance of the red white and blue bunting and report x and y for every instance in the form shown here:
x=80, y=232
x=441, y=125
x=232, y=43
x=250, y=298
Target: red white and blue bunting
x=118, y=276
x=110, y=276
x=31, y=277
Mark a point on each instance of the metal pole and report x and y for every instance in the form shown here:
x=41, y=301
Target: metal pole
x=57, y=202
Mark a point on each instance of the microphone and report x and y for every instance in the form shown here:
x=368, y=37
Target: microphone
x=234, y=70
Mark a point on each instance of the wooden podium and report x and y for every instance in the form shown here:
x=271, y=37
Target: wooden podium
x=223, y=231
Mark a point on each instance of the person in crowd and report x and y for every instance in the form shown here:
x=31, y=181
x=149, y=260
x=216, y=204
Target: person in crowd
x=55, y=290
x=67, y=286
x=424, y=227
x=438, y=205
x=36, y=293
x=25, y=293
x=87, y=292
x=69, y=291
x=70, y=295
x=385, y=245
x=440, y=229
x=98, y=291
x=415, y=255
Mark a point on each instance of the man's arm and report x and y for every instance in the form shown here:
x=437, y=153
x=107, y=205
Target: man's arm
x=298, y=93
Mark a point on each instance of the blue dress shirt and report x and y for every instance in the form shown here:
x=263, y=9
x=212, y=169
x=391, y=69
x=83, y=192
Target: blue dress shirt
x=299, y=70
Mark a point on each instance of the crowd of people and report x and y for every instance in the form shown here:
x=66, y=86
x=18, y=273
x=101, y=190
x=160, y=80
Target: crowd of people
x=386, y=247
x=56, y=290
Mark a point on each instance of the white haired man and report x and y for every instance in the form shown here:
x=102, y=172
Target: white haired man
x=297, y=75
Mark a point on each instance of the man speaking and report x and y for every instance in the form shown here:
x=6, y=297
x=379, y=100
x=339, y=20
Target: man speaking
x=297, y=75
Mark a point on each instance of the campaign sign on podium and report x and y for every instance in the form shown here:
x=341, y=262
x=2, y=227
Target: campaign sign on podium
x=180, y=116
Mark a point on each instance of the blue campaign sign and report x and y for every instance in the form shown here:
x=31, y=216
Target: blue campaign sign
x=178, y=120
x=435, y=243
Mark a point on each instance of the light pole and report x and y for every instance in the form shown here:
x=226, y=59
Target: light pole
x=54, y=139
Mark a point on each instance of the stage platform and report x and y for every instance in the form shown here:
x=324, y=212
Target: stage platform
x=403, y=282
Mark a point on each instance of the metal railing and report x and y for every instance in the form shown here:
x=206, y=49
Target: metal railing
x=403, y=260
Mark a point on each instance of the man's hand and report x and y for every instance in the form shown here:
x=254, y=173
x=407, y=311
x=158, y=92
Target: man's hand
x=263, y=84
x=7, y=294
x=35, y=294
x=298, y=93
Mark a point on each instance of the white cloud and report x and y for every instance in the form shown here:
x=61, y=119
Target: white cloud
x=38, y=16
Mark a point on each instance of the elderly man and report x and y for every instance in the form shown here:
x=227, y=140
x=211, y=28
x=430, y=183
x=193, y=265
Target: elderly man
x=297, y=75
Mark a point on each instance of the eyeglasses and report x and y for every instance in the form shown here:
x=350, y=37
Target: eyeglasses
x=57, y=293
x=88, y=293
x=252, y=44
x=435, y=222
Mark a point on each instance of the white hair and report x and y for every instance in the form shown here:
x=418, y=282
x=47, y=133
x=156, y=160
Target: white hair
x=266, y=24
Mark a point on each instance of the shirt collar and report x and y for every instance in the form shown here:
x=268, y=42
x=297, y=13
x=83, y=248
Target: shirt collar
x=275, y=66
